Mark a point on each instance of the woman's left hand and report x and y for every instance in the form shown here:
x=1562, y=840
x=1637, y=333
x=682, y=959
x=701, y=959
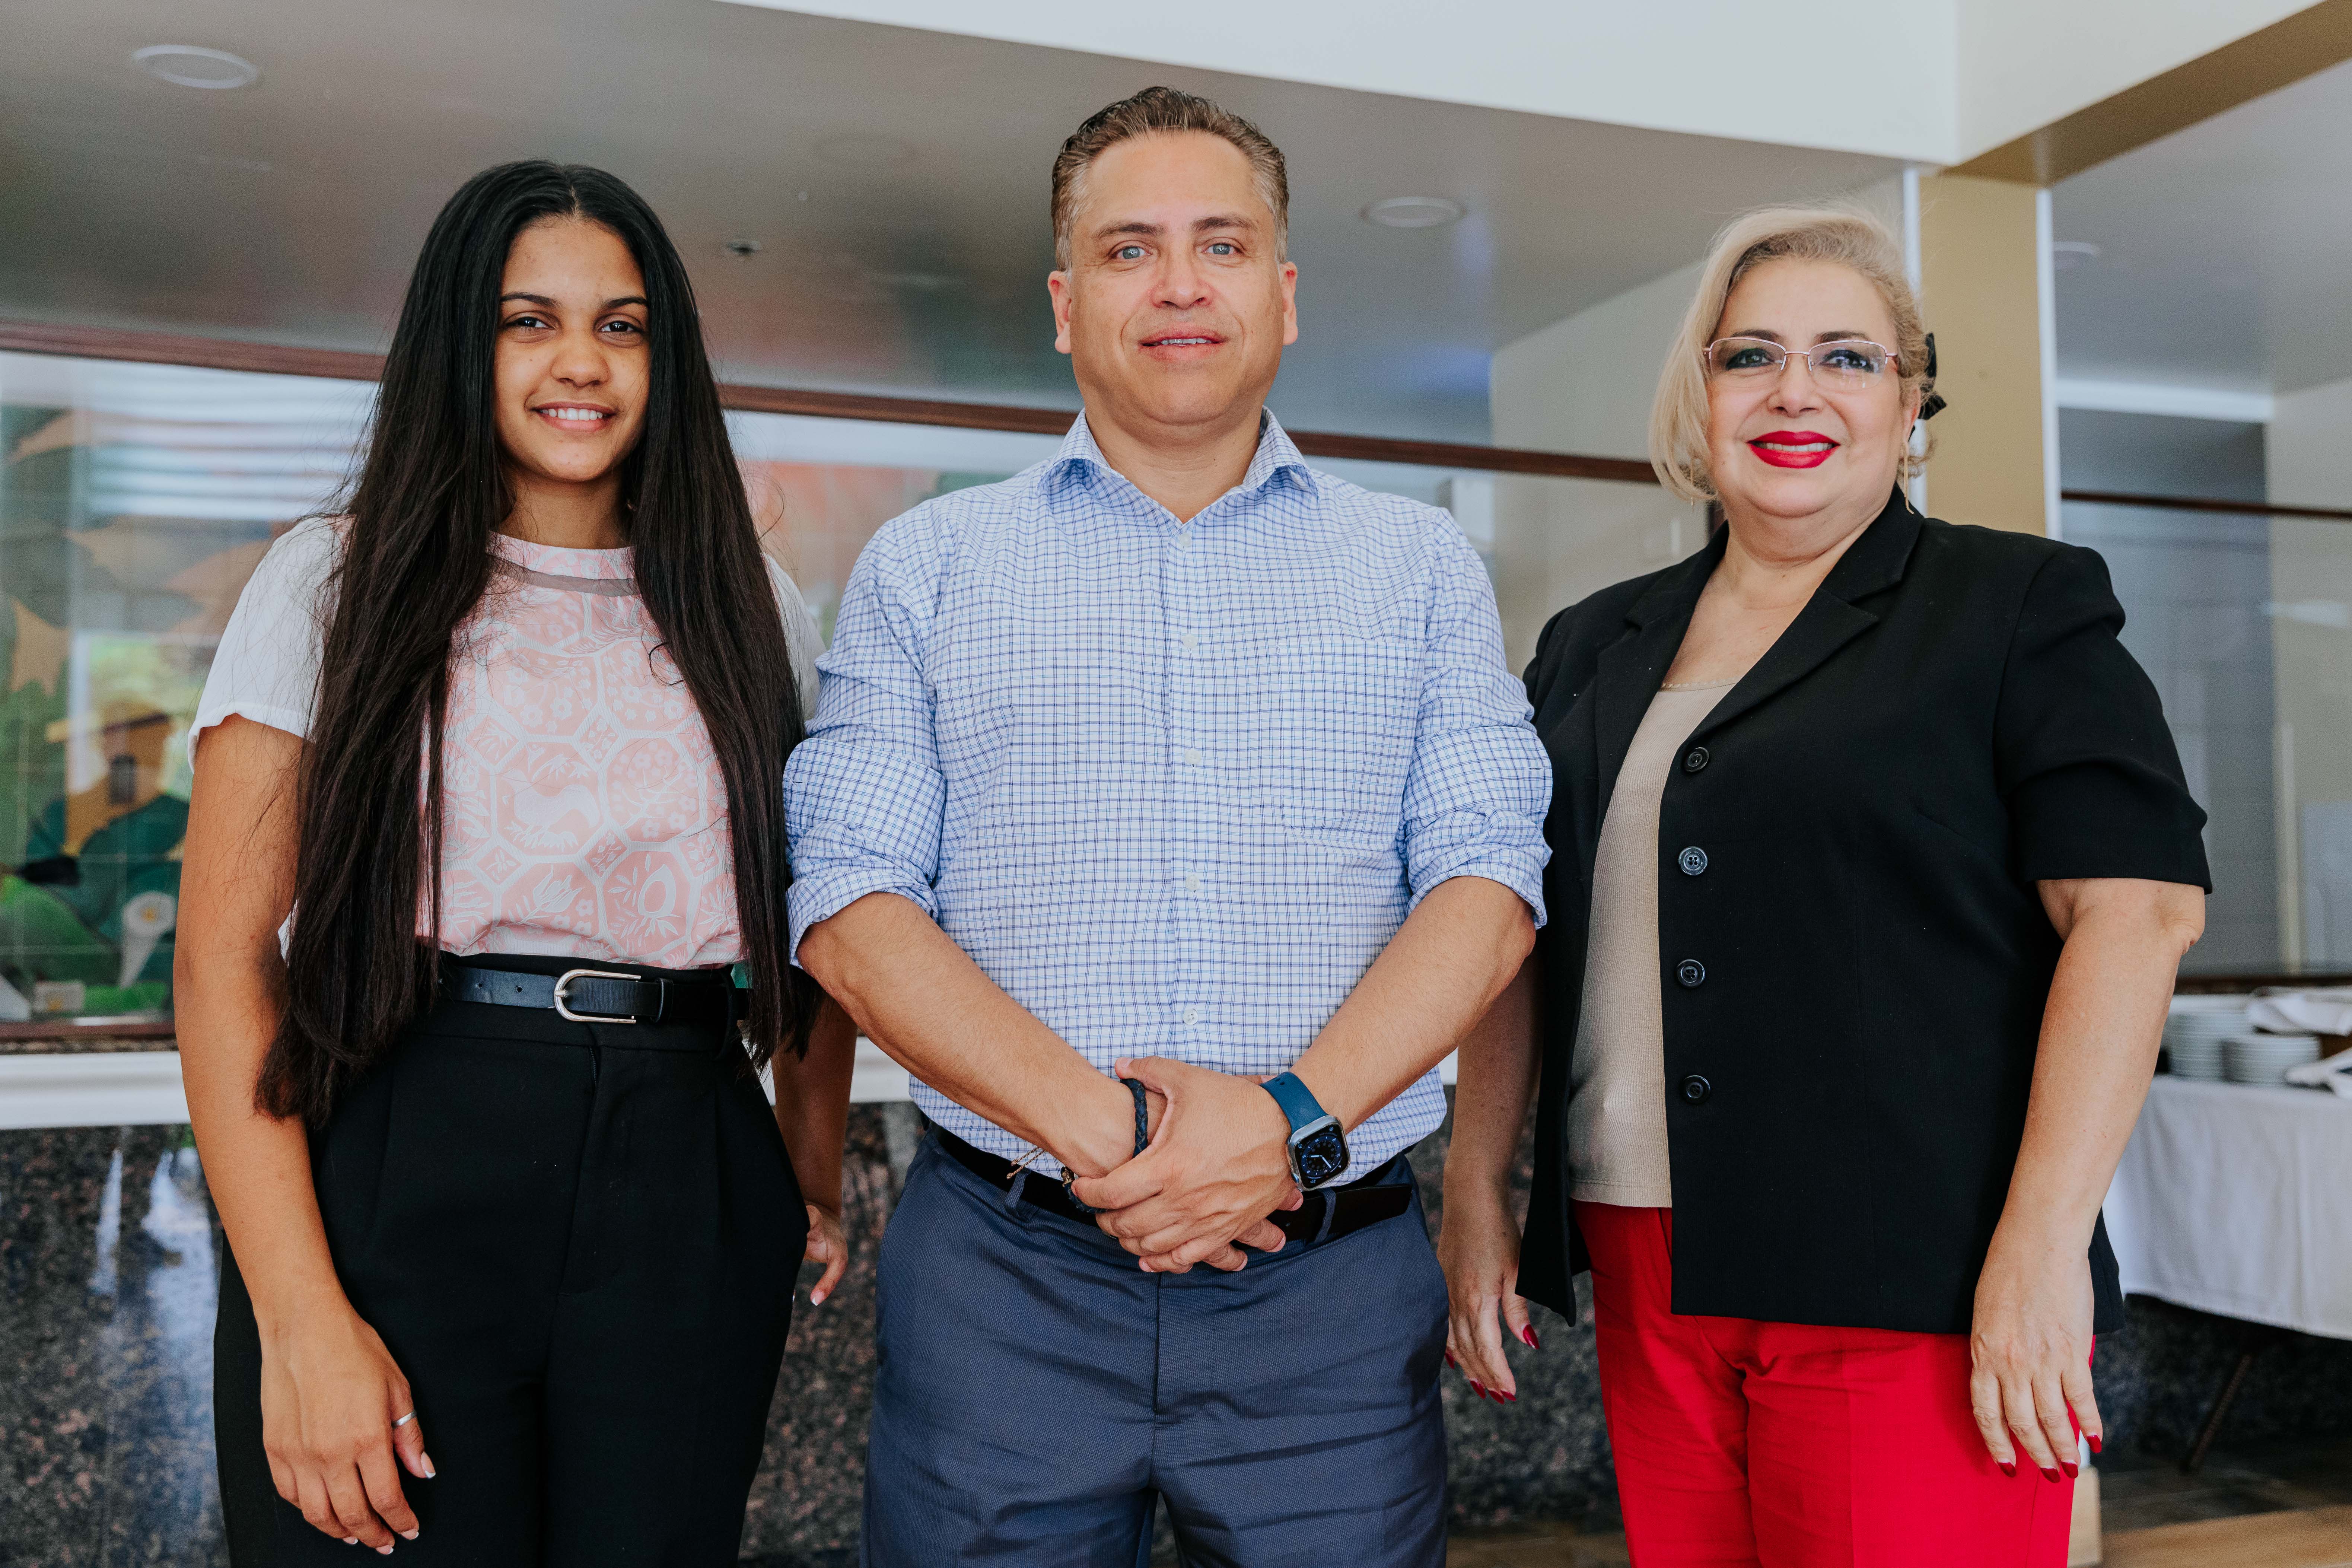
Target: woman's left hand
x=2030, y=1351
x=827, y=1246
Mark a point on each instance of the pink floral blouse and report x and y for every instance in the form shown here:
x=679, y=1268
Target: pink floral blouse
x=584, y=812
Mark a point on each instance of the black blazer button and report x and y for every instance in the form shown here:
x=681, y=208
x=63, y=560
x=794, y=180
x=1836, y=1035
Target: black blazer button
x=1696, y=1090
x=1691, y=972
x=1692, y=860
x=1694, y=759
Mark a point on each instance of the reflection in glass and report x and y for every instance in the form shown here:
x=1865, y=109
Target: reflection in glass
x=136, y=499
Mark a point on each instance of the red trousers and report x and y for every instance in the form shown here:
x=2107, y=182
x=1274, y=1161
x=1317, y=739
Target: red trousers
x=1742, y=1444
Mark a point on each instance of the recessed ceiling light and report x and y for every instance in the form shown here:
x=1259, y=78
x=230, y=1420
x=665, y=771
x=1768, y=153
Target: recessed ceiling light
x=863, y=152
x=2066, y=253
x=742, y=248
x=192, y=65
x=1413, y=212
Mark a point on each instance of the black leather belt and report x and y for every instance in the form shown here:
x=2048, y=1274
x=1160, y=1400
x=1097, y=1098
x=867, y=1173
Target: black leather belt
x=1328, y=1213
x=599, y=995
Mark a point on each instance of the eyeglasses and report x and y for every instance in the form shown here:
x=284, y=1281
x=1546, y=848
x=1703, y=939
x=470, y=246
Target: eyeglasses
x=1848, y=363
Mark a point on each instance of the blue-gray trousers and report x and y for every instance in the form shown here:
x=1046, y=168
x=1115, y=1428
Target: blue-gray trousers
x=1038, y=1392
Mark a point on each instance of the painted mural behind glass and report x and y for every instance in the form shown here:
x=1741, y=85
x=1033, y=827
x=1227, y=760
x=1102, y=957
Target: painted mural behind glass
x=135, y=501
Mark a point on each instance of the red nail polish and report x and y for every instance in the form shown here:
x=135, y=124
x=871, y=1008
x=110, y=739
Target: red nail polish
x=2008, y=1469
x=1508, y=1398
x=2094, y=1442
x=2049, y=1475
x=2071, y=1470
x=1479, y=1387
x=1528, y=1334
x=1452, y=1363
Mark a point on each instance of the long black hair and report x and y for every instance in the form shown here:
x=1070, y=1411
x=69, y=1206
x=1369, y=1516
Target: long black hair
x=428, y=495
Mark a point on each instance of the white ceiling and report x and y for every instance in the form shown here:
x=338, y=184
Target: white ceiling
x=290, y=211
x=2226, y=250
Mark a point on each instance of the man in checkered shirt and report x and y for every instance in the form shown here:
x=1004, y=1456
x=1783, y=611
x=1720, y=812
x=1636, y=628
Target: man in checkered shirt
x=1170, y=761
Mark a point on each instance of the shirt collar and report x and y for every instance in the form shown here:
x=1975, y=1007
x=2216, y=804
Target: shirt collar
x=1276, y=454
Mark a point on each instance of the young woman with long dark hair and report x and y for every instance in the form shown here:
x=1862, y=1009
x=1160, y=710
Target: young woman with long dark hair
x=488, y=802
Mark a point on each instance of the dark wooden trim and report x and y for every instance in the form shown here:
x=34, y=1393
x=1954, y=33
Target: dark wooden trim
x=2257, y=979
x=227, y=353
x=1492, y=459
x=171, y=348
x=2199, y=503
x=895, y=410
x=97, y=1029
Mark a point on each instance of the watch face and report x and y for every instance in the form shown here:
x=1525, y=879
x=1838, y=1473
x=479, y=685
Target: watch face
x=1322, y=1155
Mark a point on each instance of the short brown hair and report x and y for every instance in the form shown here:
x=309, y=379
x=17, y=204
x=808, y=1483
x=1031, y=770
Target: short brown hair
x=1158, y=109
x=1847, y=235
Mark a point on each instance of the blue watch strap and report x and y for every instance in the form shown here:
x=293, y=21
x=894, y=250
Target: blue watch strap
x=1297, y=1101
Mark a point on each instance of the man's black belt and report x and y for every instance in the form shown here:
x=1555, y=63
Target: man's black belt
x=1328, y=1213
x=587, y=995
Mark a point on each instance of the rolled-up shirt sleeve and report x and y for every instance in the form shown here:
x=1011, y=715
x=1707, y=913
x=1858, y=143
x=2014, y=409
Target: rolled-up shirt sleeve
x=1480, y=784
x=864, y=796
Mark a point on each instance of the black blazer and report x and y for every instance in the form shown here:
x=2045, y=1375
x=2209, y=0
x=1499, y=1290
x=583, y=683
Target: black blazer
x=1854, y=973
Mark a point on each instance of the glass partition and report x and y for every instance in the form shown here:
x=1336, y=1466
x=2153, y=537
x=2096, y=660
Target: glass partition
x=135, y=501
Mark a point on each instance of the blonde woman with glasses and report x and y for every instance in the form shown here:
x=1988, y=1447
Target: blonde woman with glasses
x=1872, y=866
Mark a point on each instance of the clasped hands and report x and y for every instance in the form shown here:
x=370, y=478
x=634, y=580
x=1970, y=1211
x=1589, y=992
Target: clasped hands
x=1217, y=1164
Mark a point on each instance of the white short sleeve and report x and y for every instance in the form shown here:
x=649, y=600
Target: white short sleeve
x=266, y=667
x=802, y=639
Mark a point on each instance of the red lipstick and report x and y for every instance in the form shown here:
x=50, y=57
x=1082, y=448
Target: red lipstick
x=1793, y=449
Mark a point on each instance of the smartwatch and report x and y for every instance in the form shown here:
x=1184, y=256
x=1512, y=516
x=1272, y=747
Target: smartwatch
x=1319, y=1149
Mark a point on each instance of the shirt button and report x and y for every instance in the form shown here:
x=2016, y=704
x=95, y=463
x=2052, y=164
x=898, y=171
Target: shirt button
x=1692, y=860
x=1695, y=759
x=1191, y=884
x=1696, y=1090
x=1691, y=973
x=1192, y=1014
x=1190, y=757
x=1188, y=640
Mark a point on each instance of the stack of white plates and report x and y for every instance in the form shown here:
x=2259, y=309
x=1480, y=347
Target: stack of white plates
x=2195, y=1028
x=2254, y=1057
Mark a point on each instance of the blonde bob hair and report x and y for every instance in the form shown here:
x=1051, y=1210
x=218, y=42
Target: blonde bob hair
x=1847, y=235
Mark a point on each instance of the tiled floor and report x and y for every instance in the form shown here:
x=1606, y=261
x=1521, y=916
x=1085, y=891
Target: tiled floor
x=2282, y=1506
x=2295, y=1537
x=2279, y=1506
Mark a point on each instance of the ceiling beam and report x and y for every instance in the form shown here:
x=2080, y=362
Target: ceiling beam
x=2238, y=72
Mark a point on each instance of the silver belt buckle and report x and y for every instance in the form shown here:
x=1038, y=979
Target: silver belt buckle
x=569, y=976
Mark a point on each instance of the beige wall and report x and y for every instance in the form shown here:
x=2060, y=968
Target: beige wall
x=1583, y=384
x=2308, y=446
x=2308, y=453
x=1981, y=274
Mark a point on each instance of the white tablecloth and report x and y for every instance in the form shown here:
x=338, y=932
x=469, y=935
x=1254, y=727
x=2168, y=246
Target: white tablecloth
x=2238, y=1201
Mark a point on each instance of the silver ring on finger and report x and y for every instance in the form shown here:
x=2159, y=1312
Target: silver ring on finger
x=400, y=1421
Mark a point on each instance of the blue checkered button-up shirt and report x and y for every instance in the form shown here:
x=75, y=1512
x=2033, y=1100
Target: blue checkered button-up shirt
x=1172, y=786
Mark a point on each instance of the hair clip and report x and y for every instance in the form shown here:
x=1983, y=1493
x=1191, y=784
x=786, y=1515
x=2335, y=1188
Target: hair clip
x=1935, y=404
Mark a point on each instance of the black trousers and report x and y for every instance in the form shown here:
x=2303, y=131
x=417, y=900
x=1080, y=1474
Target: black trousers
x=580, y=1244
